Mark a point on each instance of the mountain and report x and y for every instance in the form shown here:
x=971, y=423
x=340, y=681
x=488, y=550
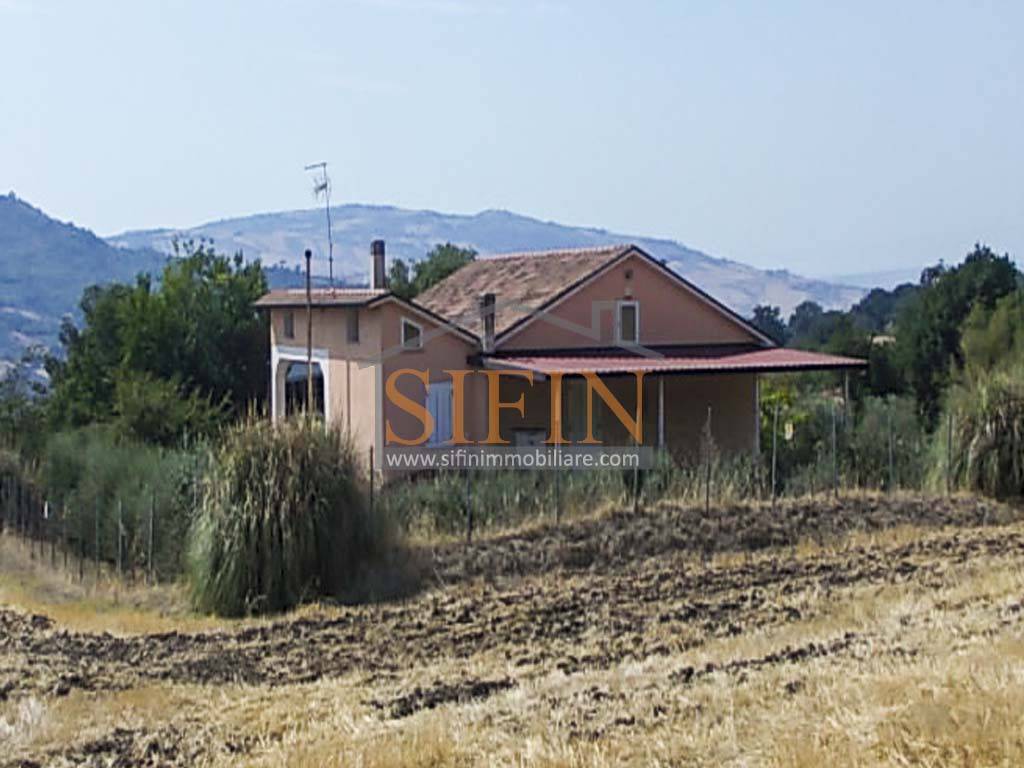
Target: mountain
x=281, y=238
x=888, y=279
x=44, y=265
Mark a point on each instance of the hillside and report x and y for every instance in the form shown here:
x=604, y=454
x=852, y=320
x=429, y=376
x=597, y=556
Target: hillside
x=281, y=238
x=44, y=265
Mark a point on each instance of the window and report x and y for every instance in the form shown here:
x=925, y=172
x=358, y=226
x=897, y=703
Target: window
x=627, y=324
x=353, y=326
x=289, y=324
x=439, y=406
x=412, y=335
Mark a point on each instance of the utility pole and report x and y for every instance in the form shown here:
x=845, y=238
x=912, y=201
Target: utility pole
x=322, y=186
x=309, y=337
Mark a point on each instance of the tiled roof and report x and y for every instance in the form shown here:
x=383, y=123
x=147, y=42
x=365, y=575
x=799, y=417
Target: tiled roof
x=321, y=297
x=521, y=282
x=776, y=359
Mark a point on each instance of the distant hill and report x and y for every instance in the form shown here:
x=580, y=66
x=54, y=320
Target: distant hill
x=281, y=238
x=44, y=266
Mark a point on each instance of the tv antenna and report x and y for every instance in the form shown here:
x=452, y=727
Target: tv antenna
x=322, y=186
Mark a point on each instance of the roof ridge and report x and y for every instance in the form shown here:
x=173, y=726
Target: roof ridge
x=611, y=248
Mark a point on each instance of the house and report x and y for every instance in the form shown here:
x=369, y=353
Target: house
x=554, y=317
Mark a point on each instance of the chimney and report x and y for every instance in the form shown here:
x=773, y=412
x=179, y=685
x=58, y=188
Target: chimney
x=378, y=275
x=487, y=321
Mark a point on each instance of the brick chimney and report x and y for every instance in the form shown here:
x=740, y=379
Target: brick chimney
x=487, y=321
x=378, y=273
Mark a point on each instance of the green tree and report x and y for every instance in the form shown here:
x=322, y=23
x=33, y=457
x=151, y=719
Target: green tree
x=21, y=395
x=442, y=261
x=928, y=329
x=197, y=330
x=994, y=339
x=769, y=321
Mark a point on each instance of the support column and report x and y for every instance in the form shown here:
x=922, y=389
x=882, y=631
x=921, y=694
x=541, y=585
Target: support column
x=661, y=411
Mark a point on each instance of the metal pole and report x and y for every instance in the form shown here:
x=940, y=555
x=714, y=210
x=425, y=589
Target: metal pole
x=775, y=440
x=469, y=511
x=892, y=473
x=558, y=489
x=120, y=522
x=371, y=479
x=96, y=540
x=707, y=465
x=309, y=336
x=152, y=521
x=949, y=453
x=835, y=461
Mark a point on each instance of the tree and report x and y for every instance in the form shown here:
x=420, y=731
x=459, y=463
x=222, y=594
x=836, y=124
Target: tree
x=769, y=321
x=442, y=261
x=22, y=389
x=196, y=333
x=994, y=339
x=929, y=326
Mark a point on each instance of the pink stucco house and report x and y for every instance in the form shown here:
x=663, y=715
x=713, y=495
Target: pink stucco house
x=615, y=311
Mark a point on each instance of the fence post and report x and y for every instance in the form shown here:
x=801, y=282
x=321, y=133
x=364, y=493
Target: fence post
x=892, y=471
x=52, y=528
x=949, y=453
x=96, y=540
x=64, y=531
x=120, y=536
x=370, y=470
x=469, y=511
x=558, y=490
x=707, y=465
x=775, y=440
x=152, y=526
x=835, y=457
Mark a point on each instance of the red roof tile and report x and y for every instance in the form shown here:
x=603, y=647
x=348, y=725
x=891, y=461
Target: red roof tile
x=521, y=282
x=771, y=360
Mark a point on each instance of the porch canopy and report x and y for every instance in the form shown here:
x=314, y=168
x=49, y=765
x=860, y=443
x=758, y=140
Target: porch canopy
x=692, y=361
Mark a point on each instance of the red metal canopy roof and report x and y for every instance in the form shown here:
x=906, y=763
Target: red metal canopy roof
x=773, y=360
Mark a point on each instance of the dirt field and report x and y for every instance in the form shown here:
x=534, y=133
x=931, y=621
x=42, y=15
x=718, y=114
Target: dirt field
x=857, y=632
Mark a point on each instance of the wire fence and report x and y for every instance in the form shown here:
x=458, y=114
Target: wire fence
x=811, y=448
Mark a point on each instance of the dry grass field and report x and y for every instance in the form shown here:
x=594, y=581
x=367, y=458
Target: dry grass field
x=867, y=631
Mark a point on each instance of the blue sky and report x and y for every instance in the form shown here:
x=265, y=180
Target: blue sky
x=819, y=137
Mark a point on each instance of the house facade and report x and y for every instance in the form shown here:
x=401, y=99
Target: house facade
x=543, y=320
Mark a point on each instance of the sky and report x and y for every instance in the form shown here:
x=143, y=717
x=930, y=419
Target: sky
x=824, y=138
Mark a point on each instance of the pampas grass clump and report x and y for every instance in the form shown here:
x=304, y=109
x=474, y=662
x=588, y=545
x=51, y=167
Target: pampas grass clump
x=282, y=519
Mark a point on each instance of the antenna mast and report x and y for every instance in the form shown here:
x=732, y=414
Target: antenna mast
x=322, y=186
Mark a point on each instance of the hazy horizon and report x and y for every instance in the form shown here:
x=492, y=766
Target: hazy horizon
x=822, y=140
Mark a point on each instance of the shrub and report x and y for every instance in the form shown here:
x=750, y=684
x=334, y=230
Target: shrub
x=282, y=520
x=93, y=478
x=867, y=452
x=987, y=435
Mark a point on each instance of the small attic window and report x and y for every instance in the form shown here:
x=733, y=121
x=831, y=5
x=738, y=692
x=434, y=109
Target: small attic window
x=412, y=335
x=627, y=323
x=289, y=325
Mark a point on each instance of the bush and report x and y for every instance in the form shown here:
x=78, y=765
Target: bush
x=282, y=520
x=93, y=478
x=987, y=435
x=867, y=453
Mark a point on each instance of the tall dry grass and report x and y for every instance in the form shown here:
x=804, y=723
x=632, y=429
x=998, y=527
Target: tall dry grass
x=283, y=519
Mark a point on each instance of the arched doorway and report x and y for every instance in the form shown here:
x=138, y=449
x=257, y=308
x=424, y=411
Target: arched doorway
x=296, y=389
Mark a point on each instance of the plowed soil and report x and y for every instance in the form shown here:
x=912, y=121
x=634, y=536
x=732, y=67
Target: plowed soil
x=585, y=596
